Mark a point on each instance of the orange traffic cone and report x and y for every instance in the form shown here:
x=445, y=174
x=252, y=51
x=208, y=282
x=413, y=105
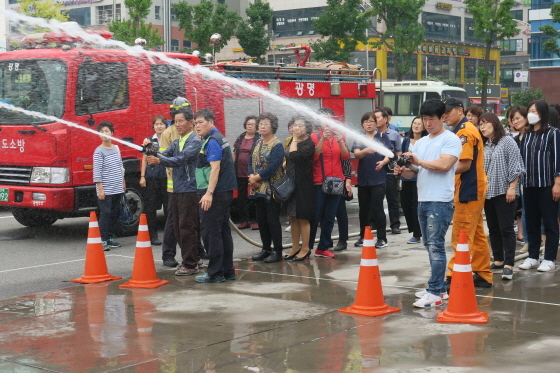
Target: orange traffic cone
x=144, y=269
x=95, y=267
x=462, y=306
x=369, y=296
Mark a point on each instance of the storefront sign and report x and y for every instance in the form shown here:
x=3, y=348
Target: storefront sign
x=76, y=2
x=444, y=6
x=443, y=50
x=492, y=90
x=520, y=76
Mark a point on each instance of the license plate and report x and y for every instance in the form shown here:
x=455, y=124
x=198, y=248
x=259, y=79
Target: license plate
x=4, y=194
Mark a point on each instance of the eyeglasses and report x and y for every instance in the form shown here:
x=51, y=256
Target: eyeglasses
x=484, y=123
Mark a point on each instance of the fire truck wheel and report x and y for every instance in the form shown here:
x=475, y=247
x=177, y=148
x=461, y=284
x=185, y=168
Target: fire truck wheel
x=33, y=218
x=136, y=205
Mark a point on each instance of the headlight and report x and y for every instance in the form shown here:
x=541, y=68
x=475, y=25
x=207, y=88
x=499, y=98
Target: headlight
x=49, y=175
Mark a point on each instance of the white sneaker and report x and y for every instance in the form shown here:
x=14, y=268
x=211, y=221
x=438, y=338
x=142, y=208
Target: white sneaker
x=420, y=294
x=529, y=263
x=427, y=301
x=546, y=265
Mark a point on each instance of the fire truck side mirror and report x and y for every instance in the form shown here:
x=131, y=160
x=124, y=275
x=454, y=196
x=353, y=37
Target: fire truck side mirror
x=90, y=121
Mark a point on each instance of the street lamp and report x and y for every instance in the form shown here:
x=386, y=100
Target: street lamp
x=215, y=39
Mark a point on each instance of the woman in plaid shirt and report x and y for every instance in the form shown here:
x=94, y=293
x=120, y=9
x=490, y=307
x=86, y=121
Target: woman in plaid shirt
x=503, y=166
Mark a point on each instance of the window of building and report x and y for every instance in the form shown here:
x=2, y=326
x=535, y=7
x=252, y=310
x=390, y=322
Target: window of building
x=187, y=44
x=174, y=45
x=511, y=46
x=102, y=86
x=392, y=72
x=537, y=52
x=12, y=1
x=469, y=32
x=295, y=22
x=105, y=13
x=441, y=26
x=517, y=14
x=157, y=12
x=541, y=4
x=167, y=83
x=80, y=15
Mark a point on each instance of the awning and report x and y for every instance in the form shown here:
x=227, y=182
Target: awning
x=492, y=101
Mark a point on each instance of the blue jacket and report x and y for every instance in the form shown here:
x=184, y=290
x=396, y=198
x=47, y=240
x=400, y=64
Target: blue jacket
x=183, y=163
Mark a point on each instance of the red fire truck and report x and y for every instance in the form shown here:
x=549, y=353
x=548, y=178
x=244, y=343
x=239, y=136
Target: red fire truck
x=46, y=166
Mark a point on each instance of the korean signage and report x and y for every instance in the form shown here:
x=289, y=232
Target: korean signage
x=444, y=6
x=77, y=2
x=444, y=50
x=492, y=90
x=520, y=76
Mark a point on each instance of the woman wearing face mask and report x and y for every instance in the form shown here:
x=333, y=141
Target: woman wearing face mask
x=539, y=149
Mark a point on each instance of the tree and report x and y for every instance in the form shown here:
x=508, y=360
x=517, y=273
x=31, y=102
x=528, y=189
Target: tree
x=403, y=32
x=202, y=20
x=342, y=27
x=130, y=29
x=46, y=9
x=551, y=45
x=252, y=34
x=492, y=22
x=523, y=98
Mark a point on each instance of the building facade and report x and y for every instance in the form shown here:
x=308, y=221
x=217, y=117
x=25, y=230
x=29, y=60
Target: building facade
x=545, y=67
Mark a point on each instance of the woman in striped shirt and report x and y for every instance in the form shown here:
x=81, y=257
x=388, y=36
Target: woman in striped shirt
x=109, y=183
x=540, y=150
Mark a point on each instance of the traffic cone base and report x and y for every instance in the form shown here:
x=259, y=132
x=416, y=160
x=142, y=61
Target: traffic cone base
x=369, y=311
x=469, y=318
x=144, y=284
x=369, y=294
x=144, y=269
x=95, y=266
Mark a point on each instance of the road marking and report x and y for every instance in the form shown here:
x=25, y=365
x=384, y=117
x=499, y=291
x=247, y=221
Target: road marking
x=399, y=286
x=6, y=217
x=57, y=263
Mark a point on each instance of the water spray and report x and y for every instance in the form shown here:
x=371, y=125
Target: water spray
x=75, y=30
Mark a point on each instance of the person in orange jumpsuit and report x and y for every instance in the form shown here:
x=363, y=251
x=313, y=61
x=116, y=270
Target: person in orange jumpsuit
x=470, y=191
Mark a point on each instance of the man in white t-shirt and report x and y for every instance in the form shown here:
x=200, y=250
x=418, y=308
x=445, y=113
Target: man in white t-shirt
x=435, y=160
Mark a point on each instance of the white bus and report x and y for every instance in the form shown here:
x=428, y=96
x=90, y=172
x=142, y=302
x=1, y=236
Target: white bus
x=405, y=98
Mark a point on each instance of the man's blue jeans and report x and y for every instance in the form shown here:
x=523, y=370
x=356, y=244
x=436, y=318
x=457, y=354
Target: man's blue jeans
x=434, y=218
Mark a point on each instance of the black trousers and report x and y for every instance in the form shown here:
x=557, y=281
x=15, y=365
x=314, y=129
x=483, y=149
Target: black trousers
x=108, y=214
x=540, y=206
x=155, y=195
x=500, y=216
x=242, y=202
x=270, y=229
x=169, y=247
x=342, y=220
x=409, y=203
x=370, y=203
x=392, y=194
x=216, y=235
x=185, y=226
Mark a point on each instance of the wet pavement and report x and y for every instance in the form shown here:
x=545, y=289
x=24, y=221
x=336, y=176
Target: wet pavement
x=281, y=317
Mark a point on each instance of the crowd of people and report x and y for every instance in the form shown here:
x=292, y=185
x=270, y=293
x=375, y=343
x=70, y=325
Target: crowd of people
x=455, y=175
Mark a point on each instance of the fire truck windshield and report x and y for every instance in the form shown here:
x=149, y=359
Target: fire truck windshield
x=35, y=85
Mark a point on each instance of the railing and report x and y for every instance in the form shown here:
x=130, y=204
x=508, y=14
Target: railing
x=267, y=73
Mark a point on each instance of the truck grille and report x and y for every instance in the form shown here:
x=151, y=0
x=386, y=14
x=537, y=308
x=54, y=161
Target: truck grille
x=15, y=175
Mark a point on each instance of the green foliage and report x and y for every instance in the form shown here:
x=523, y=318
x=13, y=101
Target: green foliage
x=202, y=20
x=252, y=33
x=523, y=98
x=449, y=82
x=128, y=30
x=340, y=28
x=46, y=9
x=404, y=33
x=551, y=45
x=492, y=22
